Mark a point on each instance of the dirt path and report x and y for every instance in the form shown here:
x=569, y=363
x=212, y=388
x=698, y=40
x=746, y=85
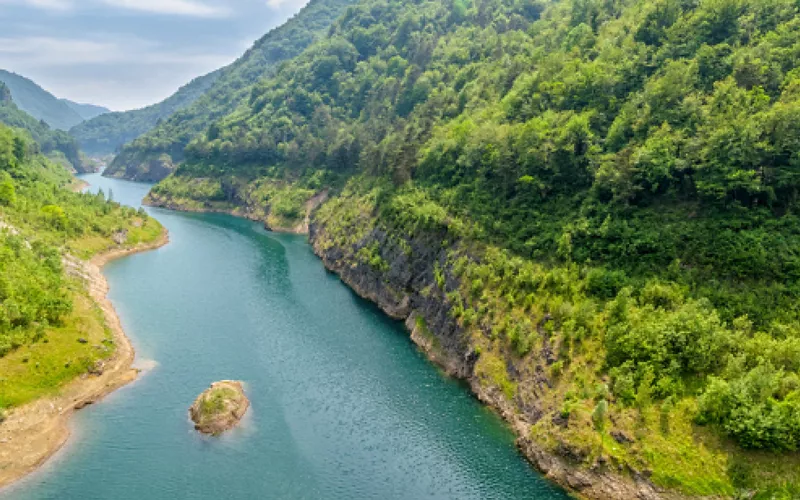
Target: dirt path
x=33, y=433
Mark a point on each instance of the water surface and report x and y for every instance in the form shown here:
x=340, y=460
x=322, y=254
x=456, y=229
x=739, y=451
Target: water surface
x=343, y=405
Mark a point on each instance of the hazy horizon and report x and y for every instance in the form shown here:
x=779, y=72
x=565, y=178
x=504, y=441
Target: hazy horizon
x=127, y=54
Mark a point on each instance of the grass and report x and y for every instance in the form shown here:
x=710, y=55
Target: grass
x=214, y=402
x=139, y=231
x=517, y=308
x=41, y=369
x=280, y=204
x=491, y=369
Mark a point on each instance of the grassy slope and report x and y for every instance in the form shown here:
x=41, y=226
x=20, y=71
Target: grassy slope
x=46, y=354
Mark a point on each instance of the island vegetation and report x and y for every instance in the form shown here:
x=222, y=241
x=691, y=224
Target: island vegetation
x=219, y=408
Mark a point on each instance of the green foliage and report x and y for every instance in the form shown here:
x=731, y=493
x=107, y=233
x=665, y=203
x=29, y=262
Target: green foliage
x=40, y=104
x=32, y=292
x=53, y=143
x=8, y=193
x=616, y=179
x=107, y=133
x=169, y=126
x=40, y=221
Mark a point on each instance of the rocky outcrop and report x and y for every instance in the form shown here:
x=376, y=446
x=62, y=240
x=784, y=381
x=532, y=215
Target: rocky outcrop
x=220, y=408
x=240, y=206
x=405, y=287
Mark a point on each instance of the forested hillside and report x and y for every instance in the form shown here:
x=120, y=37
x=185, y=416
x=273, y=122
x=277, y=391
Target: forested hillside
x=105, y=134
x=56, y=144
x=39, y=103
x=153, y=156
x=44, y=312
x=588, y=204
x=86, y=111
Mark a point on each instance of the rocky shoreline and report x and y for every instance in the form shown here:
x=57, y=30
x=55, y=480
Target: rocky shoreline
x=403, y=292
x=248, y=213
x=33, y=433
x=220, y=408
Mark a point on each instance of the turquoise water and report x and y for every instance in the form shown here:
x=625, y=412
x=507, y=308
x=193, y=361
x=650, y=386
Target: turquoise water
x=343, y=405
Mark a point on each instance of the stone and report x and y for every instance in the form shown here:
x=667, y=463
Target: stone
x=220, y=408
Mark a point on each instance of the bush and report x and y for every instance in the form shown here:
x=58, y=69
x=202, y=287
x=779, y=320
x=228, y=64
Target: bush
x=605, y=284
x=755, y=409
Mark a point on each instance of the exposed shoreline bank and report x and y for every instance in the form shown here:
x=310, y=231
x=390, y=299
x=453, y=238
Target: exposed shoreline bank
x=248, y=213
x=402, y=290
x=33, y=433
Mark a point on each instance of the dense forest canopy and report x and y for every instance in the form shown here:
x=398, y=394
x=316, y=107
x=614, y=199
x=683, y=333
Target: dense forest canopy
x=651, y=148
x=171, y=137
x=40, y=220
x=106, y=133
x=56, y=144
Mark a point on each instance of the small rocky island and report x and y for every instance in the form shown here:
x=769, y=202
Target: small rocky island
x=220, y=408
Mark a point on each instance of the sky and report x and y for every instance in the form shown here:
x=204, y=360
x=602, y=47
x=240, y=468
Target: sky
x=126, y=54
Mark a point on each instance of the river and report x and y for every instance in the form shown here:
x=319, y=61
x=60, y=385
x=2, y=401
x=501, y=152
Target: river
x=343, y=404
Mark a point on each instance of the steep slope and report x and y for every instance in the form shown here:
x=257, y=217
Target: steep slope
x=584, y=208
x=106, y=133
x=153, y=156
x=86, y=111
x=56, y=144
x=39, y=103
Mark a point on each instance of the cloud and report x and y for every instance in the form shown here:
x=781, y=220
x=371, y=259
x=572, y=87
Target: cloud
x=129, y=53
x=276, y=4
x=48, y=51
x=178, y=7
x=52, y=5
x=192, y=8
x=42, y=51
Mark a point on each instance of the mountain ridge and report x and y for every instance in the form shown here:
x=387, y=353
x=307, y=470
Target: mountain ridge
x=86, y=111
x=106, y=133
x=587, y=206
x=153, y=156
x=54, y=143
x=39, y=103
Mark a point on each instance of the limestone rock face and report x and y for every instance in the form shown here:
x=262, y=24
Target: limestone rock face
x=220, y=408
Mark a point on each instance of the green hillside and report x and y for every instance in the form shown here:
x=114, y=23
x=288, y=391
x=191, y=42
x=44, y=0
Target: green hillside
x=86, y=111
x=45, y=311
x=106, y=133
x=39, y=103
x=604, y=190
x=56, y=144
x=152, y=156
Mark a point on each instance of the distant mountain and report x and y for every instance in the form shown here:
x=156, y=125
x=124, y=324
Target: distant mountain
x=86, y=111
x=58, y=145
x=152, y=156
x=106, y=133
x=39, y=103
